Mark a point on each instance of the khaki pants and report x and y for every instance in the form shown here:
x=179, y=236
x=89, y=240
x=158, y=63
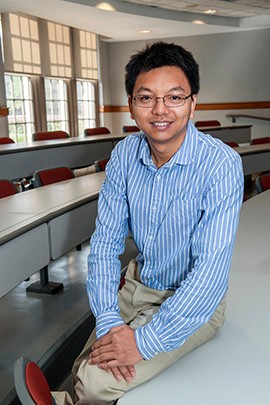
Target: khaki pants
x=137, y=303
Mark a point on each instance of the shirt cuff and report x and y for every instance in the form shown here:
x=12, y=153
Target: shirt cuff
x=107, y=320
x=148, y=342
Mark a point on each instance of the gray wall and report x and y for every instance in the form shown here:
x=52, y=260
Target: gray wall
x=234, y=67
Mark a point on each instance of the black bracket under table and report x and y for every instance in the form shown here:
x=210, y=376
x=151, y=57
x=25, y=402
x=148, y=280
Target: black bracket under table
x=44, y=286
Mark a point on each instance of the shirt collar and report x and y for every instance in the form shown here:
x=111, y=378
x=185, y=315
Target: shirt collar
x=185, y=154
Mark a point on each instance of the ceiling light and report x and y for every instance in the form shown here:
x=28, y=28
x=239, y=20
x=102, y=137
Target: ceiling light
x=144, y=31
x=105, y=6
x=198, y=22
x=210, y=11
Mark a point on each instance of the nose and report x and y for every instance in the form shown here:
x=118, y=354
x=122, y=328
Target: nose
x=160, y=107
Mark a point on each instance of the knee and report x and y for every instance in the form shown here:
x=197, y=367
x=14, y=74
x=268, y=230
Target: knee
x=96, y=386
x=218, y=318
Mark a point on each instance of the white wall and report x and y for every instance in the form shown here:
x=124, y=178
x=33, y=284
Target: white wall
x=234, y=67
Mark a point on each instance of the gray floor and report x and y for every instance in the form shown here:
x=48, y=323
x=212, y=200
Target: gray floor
x=32, y=323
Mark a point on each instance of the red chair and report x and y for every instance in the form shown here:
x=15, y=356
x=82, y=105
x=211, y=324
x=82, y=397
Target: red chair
x=100, y=165
x=262, y=183
x=49, y=176
x=130, y=128
x=232, y=144
x=30, y=383
x=6, y=139
x=44, y=136
x=259, y=141
x=7, y=188
x=209, y=123
x=96, y=131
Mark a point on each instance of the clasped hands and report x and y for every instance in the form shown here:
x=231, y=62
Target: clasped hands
x=116, y=352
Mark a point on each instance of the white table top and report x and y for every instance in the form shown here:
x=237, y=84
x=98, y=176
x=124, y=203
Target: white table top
x=54, y=143
x=26, y=210
x=234, y=367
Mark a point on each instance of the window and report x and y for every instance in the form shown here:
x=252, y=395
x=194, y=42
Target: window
x=86, y=105
x=59, y=50
x=20, y=104
x=51, y=76
x=56, y=105
x=21, y=44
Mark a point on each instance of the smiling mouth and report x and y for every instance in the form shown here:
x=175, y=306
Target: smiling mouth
x=162, y=124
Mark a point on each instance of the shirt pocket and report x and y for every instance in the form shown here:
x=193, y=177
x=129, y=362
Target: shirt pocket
x=182, y=218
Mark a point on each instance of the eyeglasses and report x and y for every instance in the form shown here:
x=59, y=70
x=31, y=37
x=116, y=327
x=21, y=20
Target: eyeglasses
x=170, y=101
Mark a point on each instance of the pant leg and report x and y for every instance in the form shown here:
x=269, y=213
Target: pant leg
x=97, y=387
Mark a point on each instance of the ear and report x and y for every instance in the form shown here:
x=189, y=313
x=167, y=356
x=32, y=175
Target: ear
x=130, y=106
x=193, y=105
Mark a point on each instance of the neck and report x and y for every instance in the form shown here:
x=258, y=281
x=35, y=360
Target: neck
x=161, y=153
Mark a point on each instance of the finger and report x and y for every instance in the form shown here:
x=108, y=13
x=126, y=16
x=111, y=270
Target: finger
x=126, y=373
x=116, y=373
x=132, y=371
x=108, y=349
x=104, y=340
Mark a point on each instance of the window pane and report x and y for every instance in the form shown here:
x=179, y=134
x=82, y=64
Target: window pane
x=86, y=105
x=20, y=104
x=56, y=105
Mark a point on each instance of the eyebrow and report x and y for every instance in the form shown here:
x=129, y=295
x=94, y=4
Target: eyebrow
x=151, y=91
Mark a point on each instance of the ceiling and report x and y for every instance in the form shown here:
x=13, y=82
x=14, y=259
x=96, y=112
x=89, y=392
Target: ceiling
x=121, y=20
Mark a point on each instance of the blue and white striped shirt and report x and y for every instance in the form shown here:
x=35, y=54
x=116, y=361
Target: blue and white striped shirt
x=183, y=217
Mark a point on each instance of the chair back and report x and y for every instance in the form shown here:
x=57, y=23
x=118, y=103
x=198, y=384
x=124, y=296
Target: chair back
x=6, y=139
x=7, y=188
x=232, y=144
x=49, y=176
x=262, y=183
x=30, y=383
x=44, y=136
x=130, y=128
x=100, y=164
x=208, y=123
x=259, y=141
x=96, y=131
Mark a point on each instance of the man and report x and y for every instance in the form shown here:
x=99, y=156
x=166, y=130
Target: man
x=179, y=192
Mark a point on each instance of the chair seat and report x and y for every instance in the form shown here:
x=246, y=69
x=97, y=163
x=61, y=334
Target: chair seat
x=7, y=188
x=260, y=141
x=207, y=123
x=5, y=140
x=44, y=136
x=53, y=175
x=130, y=128
x=96, y=131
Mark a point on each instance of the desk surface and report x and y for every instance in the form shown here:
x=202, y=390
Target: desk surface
x=22, y=160
x=221, y=128
x=23, y=211
x=57, y=143
x=252, y=149
x=233, y=368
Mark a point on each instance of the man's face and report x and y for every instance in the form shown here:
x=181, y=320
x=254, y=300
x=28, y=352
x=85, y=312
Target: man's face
x=164, y=126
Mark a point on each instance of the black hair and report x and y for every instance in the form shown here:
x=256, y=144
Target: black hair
x=161, y=54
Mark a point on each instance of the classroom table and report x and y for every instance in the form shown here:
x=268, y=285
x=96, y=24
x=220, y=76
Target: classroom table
x=22, y=160
x=44, y=223
x=255, y=158
x=232, y=368
x=236, y=133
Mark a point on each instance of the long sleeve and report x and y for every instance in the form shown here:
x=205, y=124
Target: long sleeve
x=107, y=243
